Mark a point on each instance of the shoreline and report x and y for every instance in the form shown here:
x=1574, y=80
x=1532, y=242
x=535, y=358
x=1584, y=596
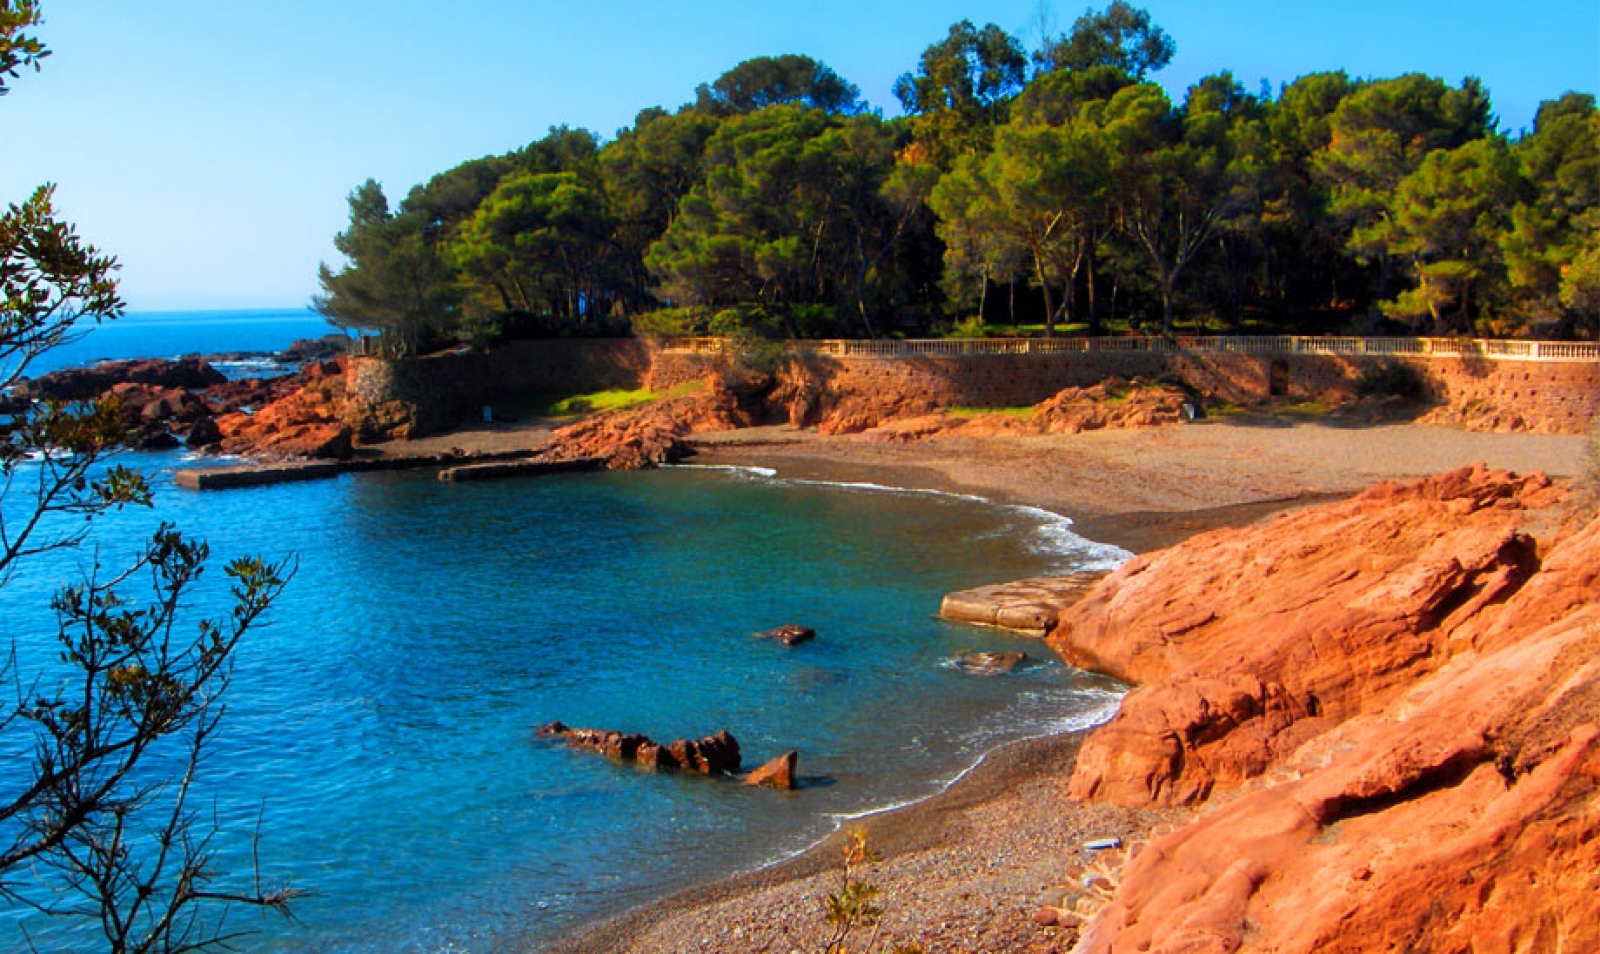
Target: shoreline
x=966, y=867
x=733, y=913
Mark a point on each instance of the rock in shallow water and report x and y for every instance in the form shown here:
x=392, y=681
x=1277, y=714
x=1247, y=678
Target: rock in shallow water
x=713, y=755
x=790, y=634
x=992, y=664
x=778, y=773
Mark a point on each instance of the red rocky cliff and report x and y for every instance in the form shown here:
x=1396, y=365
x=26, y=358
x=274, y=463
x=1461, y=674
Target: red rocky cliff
x=1389, y=709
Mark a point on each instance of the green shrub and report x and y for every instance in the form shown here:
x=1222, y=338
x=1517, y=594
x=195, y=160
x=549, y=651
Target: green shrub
x=969, y=328
x=1391, y=379
x=671, y=322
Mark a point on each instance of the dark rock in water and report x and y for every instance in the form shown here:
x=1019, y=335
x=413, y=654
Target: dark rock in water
x=152, y=437
x=203, y=433
x=78, y=384
x=778, y=773
x=713, y=755
x=307, y=350
x=992, y=664
x=790, y=634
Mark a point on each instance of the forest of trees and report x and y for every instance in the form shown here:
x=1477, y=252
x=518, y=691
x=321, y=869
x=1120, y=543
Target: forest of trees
x=1053, y=190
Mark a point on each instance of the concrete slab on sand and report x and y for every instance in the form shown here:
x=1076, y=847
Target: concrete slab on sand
x=1025, y=606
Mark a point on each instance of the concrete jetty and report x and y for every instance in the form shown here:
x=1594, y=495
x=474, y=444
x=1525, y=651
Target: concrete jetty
x=499, y=470
x=263, y=473
x=255, y=475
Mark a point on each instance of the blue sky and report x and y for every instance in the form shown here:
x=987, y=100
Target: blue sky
x=210, y=145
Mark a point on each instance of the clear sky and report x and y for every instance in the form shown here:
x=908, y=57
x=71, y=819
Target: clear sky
x=210, y=144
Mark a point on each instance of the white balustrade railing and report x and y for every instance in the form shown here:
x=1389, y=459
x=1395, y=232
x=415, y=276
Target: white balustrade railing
x=1456, y=348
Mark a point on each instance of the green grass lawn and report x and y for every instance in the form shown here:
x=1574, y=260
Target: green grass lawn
x=555, y=405
x=1020, y=413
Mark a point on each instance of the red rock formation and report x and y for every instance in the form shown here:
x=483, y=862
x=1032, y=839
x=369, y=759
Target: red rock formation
x=304, y=421
x=648, y=436
x=1247, y=642
x=1404, y=690
x=778, y=773
x=713, y=755
x=1114, y=403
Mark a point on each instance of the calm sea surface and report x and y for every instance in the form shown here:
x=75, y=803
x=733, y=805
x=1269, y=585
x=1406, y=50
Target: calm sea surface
x=382, y=725
x=173, y=334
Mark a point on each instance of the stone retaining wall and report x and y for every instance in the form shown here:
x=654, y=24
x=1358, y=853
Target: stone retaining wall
x=1490, y=395
x=420, y=396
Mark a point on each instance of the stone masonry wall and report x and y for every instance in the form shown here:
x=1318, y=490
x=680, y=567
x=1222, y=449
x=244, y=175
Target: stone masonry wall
x=426, y=395
x=419, y=396
x=1542, y=397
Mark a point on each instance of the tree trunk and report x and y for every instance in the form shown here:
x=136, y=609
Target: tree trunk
x=1044, y=289
x=1094, y=308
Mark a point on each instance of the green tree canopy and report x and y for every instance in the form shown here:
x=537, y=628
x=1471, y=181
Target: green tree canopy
x=647, y=171
x=1444, y=221
x=793, y=212
x=394, y=280
x=538, y=244
x=1557, y=225
x=961, y=90
x=1120, y=36
x=774, y=80
x=1042, y=195
x=1181, y=174
x=1380, y=132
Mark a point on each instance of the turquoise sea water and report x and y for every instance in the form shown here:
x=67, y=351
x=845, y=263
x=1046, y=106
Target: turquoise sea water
x=382, y=725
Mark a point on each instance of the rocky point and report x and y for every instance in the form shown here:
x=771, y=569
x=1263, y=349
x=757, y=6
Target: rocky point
x=1387, y=712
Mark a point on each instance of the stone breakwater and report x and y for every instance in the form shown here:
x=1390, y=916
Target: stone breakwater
x=1387, y=713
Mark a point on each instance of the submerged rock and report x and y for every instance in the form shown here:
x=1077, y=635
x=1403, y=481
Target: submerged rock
x=991, y=663
x=790, y=634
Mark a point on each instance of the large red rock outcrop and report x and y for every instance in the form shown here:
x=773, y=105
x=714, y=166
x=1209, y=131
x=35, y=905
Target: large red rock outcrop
x=1114, y=403
x=1245, y=643
x=651, y=435
x=304, y=422
x=1400, y=692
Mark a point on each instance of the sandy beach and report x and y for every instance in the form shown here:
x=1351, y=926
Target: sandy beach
x=965, y=870
x=1147, y=489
